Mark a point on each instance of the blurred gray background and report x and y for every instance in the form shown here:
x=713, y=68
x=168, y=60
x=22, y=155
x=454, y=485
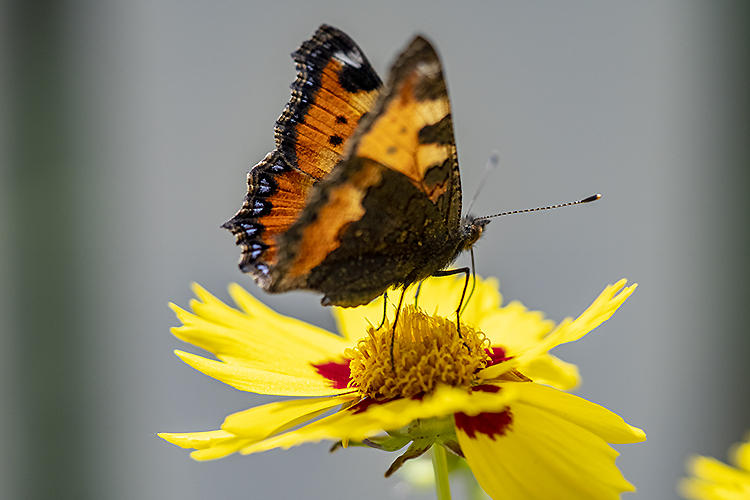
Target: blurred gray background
x=126, y=132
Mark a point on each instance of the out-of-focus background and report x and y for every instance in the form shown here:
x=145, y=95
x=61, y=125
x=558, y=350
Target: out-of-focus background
x=126, y=132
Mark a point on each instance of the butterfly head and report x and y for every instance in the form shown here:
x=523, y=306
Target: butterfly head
x=471, y=230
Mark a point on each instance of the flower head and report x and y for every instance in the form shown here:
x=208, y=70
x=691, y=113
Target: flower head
x=489, y=391
x=714, y=480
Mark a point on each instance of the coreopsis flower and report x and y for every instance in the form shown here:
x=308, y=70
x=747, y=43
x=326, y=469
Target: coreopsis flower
x=714, y=480
x=488, y=391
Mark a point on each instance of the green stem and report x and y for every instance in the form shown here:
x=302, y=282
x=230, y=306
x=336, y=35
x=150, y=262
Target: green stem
x=440, y=466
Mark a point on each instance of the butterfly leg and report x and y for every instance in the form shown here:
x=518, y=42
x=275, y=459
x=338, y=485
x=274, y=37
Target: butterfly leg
x=385, y=309
x=450, y=272
x=473, y=279
x=416, y=294
x=393, y=332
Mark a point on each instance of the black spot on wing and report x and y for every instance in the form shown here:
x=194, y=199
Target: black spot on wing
x=356, y=79
x=431, y=88
x=335, y=140
x=311, y=59
x=245, y=225
x=439, y=173
x=439, y=133
x=329, y=41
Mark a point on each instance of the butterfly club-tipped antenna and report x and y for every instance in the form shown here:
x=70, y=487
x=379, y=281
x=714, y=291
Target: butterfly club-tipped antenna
x=476, y=224
x=539, y=209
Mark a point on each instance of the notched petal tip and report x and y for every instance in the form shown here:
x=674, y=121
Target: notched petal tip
x=618, y=291
x=183, y=315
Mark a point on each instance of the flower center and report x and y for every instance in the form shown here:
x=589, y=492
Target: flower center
x=427, y=351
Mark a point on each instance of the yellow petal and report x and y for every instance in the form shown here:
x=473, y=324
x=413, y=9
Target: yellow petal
x=598, y=312
x=609, y=426
x=714, y=480
x=246, y=377
x=353, y=322
x=376, y=418
x=695, y=489
x=250, y=426
x=197, y=440
x=740, y=454
x=439, y=295
x=541, y=456
x=515, y=328
x=550, y=370
x=442, y=295
x=257, y=333
x=208, y=445
x=266, y=420
x=297, y=331
x=567, y=331
x=258, y=344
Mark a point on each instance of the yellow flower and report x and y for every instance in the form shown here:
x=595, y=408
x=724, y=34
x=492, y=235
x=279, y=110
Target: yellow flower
x=714, y=480
x=490, y=393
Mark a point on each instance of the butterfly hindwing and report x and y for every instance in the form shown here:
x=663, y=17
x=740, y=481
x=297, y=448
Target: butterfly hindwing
x=276, y=195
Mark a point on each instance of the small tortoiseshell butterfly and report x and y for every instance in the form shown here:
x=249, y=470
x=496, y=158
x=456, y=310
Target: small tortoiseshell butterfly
x=363, y=191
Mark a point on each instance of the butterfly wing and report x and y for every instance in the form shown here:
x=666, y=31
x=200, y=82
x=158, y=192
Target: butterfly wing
x=335, y=86
x=389, y=213
x=410, y=130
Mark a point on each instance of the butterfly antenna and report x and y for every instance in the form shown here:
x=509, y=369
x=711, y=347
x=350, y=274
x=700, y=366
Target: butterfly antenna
x=492, y=162
x=579, y=202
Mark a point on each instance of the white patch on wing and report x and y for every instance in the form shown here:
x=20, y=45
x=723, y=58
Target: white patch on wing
x=428, y=69
x=351, y=58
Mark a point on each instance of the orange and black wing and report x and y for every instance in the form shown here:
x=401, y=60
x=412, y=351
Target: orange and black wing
x=410, y=130
x=389, y=213
x=335, y=86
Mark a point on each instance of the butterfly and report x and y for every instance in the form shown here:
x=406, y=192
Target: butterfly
x=363, y=191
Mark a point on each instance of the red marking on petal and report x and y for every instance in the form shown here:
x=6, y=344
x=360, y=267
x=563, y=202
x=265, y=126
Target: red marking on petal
x=489, y=424
x=336, y=372
x=497, y=355
x=487, y=388
x=362, y=405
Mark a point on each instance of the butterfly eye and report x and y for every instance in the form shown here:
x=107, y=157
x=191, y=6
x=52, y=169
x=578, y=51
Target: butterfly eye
x=472, y=230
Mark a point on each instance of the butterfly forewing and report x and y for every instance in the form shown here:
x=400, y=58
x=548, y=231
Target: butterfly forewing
x=335, y=86
x=411, y=130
